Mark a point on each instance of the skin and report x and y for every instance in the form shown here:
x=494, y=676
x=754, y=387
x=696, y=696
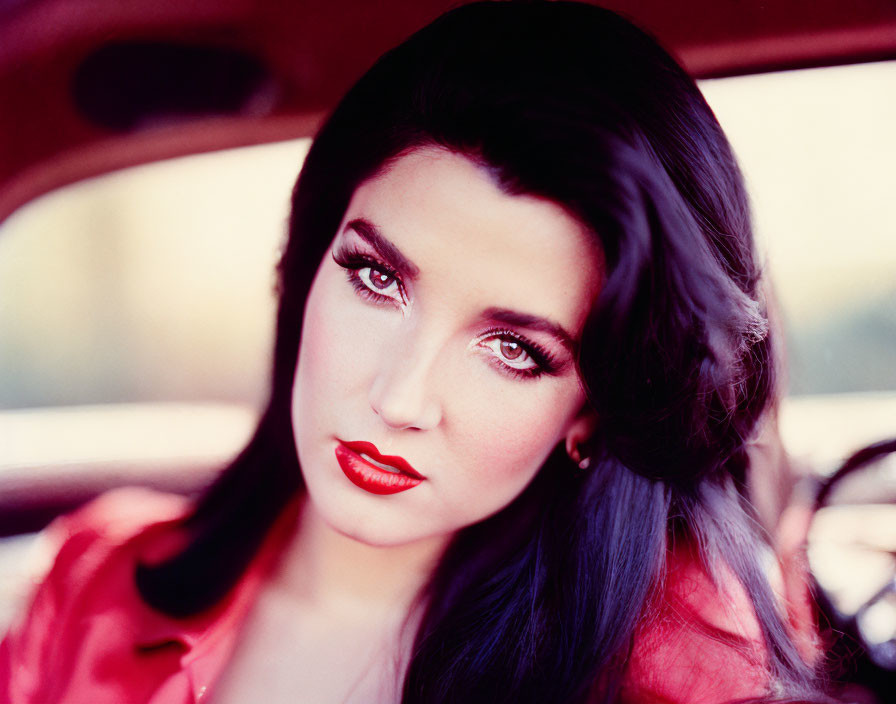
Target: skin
x=419, y=370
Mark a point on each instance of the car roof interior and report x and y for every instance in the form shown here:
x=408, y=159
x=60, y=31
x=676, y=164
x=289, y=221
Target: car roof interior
x=89, y=87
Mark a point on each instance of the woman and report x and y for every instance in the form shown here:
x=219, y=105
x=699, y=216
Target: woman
x=520, y=350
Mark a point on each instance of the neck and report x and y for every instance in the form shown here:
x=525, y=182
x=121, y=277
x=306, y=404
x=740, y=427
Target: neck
x=334, y=572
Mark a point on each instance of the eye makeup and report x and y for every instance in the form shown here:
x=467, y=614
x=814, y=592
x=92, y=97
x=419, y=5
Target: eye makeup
x=387, y=251
x=545, y=362
x=354, y=261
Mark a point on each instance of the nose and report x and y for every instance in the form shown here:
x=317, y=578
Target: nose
x=402, y=393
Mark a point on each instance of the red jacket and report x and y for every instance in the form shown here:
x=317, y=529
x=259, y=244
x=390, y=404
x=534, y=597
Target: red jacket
x=88, y=637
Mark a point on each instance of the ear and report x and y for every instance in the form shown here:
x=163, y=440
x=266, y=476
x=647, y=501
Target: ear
x=581, y=430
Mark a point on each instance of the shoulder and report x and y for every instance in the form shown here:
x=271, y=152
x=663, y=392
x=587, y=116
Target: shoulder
x=82, y=542
x=85, y=539
x=119, y=514
x=701, y=643
x=91, y=579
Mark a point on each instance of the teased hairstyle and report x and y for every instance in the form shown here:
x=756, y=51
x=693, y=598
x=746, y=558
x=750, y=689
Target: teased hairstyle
x=540, y=602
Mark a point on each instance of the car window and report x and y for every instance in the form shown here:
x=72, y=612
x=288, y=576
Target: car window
x=817, y=149
x=155, y=283
x=146, y=285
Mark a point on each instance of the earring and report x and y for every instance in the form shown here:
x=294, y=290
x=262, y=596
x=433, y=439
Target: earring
x=583, y=463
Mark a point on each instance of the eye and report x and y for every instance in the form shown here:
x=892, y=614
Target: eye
x=380, y=282
x=371, y=279
x=515, y=355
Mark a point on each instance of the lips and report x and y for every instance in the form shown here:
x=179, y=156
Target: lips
x=379, y=474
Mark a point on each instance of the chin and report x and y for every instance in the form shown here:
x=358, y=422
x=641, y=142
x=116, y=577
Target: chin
x=380, y=525
x=373, y=538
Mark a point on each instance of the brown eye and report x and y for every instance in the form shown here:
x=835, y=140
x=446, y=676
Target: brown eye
x=380, y=280
x=509, y=352
x=510, y=349
x=379, y=283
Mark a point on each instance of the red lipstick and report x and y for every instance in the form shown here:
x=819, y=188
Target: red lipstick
x=362, y=464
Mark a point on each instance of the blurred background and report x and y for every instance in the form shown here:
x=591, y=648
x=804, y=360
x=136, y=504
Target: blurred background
x=147, y=154
x=154, y=284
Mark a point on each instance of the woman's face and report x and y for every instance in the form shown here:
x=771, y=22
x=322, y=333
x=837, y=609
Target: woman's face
x=437, y=367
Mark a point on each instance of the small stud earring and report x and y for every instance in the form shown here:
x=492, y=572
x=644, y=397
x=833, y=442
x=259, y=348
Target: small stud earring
x=575, y=454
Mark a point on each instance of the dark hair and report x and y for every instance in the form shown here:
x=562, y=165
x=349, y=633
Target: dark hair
x=539, y=603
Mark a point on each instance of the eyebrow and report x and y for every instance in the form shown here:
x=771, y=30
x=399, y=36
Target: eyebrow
x=531, y=322
x=388, y=251
x=393, y=256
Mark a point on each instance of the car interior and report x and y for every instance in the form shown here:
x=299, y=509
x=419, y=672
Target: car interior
x=147, y=153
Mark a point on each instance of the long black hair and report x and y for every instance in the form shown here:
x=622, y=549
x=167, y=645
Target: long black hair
x=540, y=602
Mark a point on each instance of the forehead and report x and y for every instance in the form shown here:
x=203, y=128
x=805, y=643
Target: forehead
x=448, y=216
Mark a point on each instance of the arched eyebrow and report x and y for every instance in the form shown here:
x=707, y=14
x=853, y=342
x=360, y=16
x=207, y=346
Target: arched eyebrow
x=532, y=322
x=369, y=232
x=388, y=251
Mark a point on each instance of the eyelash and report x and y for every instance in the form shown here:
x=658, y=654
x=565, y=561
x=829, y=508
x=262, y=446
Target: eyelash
x=545, y=362
x=353, y=260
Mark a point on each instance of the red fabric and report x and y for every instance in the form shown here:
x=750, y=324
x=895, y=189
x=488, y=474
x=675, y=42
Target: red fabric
x=702, y=647
x=88, y=637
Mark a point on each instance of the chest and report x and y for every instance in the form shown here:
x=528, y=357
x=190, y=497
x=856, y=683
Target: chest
x=288, y=654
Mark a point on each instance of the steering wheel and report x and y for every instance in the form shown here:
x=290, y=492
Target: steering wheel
x=852, y=560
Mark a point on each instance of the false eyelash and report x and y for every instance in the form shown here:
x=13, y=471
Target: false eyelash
x=352, y=260
x=545, y=361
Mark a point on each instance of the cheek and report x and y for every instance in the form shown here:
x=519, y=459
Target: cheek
x=326, y=351
x=332, y=330
x=508, y=436
x=339, y=349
